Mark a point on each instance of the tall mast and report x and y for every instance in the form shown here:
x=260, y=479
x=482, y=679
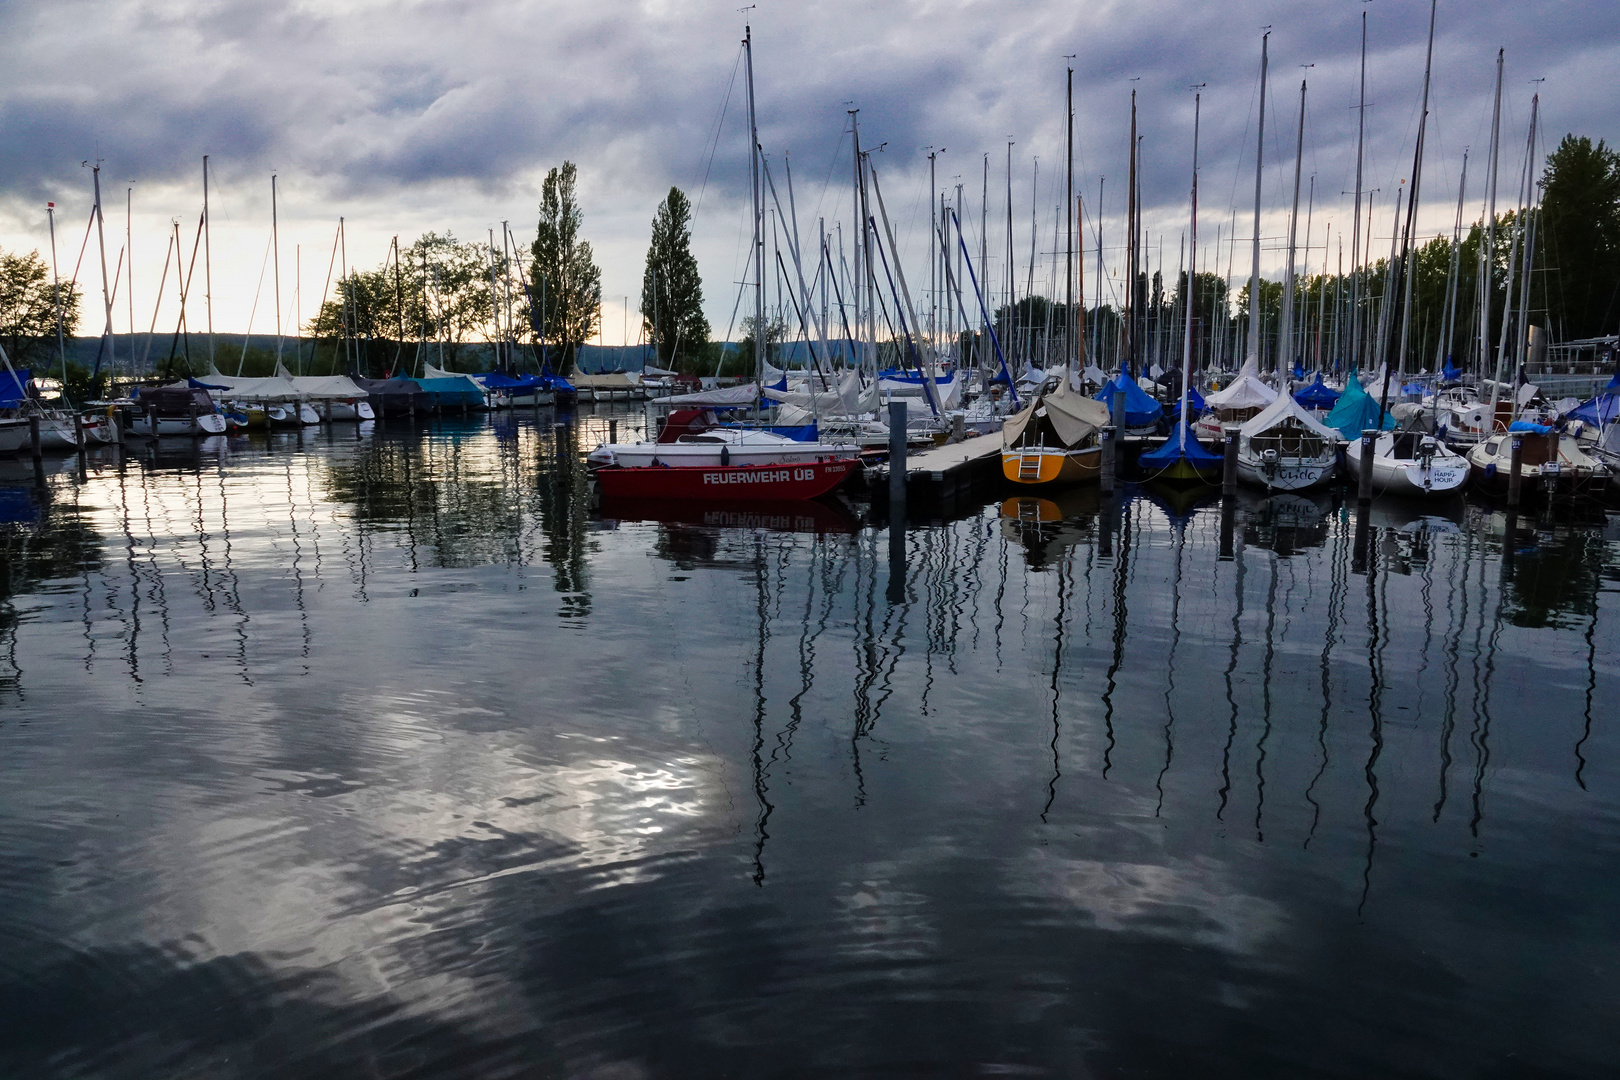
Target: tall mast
x=759, y=235
x=1529, y=258
x=1285, y=322
x=1259, y=161
x=1009, y=321
x=1409, y=255
x=1487, y=251
x=1068, y=227
x=1442, y=351
x=1096, y=324
x=56, y=293
x=1131, y=214
x=101, y=242
x=1355, y=232
x=208, y=268
x=1192, y=274
x=129, y=271
x=275, y=259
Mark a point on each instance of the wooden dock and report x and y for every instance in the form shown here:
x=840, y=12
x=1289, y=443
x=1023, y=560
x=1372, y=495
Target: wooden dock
x=945, y=472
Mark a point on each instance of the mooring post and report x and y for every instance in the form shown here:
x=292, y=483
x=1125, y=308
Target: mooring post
x=78, y=433
x=1515, y=471
x=1117, y=418
x=1229, y=462
x=33, y=438
x=897, y=457
x=613, y=432
x=1105, y=470
x=1364, y=485
x=1360, y=550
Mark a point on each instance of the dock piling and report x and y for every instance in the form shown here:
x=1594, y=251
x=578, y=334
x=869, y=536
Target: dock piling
x=33, y=438
x=1229, y=472
x=1117, y=418
x=897, y=457
x=1106, y=469
x=1516, y=472
x=1364, y=485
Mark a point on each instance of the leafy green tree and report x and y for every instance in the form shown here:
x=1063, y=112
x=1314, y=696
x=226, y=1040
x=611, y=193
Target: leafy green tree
x=28, y=309
x=671, y=288
x=564, y=282
x=1580, y=238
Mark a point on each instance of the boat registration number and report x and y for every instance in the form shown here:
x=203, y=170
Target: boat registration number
x=769, y=476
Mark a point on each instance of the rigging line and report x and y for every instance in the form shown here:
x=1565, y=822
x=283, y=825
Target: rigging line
x=714, y=141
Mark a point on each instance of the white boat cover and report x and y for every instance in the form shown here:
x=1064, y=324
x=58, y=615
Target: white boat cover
x=1281, y=409
x=615, y=380
x=850, y=399
x=322, y=387
x=1244, y=392
x=730, y=395
x=431, y=372
x=1073, y=415
x=269, y=390
x=1093, y=374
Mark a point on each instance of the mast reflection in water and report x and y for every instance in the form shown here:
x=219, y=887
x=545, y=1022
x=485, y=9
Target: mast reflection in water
x=385, y=753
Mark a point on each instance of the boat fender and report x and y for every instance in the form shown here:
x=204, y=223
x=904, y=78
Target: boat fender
x=1490, y=469
x=725, y=456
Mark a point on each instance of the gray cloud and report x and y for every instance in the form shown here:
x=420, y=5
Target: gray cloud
x=435, y=114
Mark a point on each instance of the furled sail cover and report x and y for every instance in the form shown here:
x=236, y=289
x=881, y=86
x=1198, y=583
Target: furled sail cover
x=268, y=390
x=846, y=400
x=322, y=387
x=731, y=395
x=1245, y=392
x=1281, y=409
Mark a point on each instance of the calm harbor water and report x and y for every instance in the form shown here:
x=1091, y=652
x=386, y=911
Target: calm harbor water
x=389, y=755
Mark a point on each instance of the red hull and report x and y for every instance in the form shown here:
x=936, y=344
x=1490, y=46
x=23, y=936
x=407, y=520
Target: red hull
x=728, y=482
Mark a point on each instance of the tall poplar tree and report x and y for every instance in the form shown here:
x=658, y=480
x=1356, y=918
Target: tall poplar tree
x=671, y=288
x=566, y=283
x=1581, y=238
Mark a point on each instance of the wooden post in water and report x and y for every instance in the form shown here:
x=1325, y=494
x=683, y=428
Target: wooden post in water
x=1229, y=462
x=613, y=432
x=897, y=457
x=33, y=438
x=78, y=433
x=1117, y=418
x=1364, y=485
x=1516, y=472
x=1105, y=470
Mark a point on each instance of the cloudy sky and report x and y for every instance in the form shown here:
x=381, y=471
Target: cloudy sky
x=444, y=114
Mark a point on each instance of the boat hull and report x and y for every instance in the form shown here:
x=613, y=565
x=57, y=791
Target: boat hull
x=158, y=426
x=1051, y=466
x=1445, y=476
x=1286, y=475
x=1534, y=486
x=708, y=455
x=806, y=480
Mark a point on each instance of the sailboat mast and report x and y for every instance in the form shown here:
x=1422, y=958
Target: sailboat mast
x=56, y=293
x=1007, y=322
x=1259, y=162
x=1192, y=274
x=1529, y=257
x=1068, y=229
x=101, y=242
x=1487, y=251
x=1131, y=211
x=1448, y=326
x=759, y=234
x=1409, y=254
x=208, y=268
x=1285, y=323
x=1355, y=232
x=275, y=248
x=859, y=232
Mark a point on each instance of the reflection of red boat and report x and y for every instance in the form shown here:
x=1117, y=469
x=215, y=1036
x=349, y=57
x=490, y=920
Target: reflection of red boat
x=804, y=480
x=800, y=516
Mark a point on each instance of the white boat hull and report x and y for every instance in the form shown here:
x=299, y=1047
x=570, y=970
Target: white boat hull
x=13, y=435
x=1445, y=474
x=159, y=426
x=1287, y=474
x=346, y=410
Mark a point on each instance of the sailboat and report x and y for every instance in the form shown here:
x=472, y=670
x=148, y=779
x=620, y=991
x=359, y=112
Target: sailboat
x=727, y=462
x=1410, y=462
x=1054, y=439
x=1181, y=459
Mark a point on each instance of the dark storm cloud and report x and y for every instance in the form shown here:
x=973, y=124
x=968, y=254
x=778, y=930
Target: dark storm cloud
x=378, y=99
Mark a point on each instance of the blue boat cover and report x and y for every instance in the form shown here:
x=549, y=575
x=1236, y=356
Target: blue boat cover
x=900, y=376
x=1450, y=372
x=1356, y=411
x=14, y=387
x=1318, y=395
x=499, y=380
x=1140, y=410
x=198, y=384
x=1182, y=445
x=452, y=390
x=1299, y=370
x=1195, y=402
x=1600, y=410
x=1530, y=427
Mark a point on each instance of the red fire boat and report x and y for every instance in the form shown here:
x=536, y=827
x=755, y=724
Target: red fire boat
x=804, y=480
